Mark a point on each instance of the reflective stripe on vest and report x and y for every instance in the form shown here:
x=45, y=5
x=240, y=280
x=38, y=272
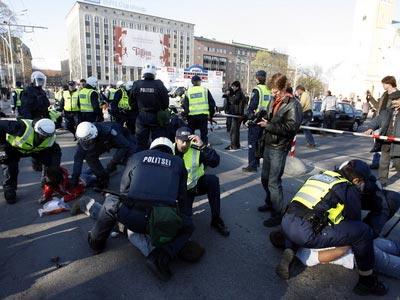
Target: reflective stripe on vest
x=24, y=143
x=124, y=102
x=18, y=92
x=198, y=100
x=193, y=166
x=264, y=97
x=316, y=188
x=84, y=99
x=71, y=101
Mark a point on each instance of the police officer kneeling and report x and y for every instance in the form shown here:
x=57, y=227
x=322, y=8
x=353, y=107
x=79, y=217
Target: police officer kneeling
x=326, y=212
x=153, y=180
x=96, y=138
x=24, y=138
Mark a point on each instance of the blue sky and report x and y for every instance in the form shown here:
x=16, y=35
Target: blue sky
x=311, y=32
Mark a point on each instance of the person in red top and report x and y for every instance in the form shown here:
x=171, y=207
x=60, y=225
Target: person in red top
x=56, y=183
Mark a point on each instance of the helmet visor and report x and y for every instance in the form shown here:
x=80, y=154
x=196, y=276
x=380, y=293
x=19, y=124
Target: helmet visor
x=39, y=81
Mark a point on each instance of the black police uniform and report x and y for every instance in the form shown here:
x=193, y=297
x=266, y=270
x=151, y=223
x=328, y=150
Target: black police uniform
x=154, y=177
x=254, y=131
x=150, y=97
x=110, y=135
x=50, y=156
x=34, y=103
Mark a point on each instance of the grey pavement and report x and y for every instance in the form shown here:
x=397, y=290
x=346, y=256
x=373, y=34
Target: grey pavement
x=241, y=266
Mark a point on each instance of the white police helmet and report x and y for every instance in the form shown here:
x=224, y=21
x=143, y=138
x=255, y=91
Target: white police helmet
x=86, y=134
x=45, y=127
x=92, y=81
x=38, y=79
x=129, y=85
x=162, y=142
x=119, y=84
x=149, y=70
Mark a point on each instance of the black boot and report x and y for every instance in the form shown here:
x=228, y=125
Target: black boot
x=370, y=285
x=283, y=269
x=10, y=196
x=219, y=226
x=96, y=245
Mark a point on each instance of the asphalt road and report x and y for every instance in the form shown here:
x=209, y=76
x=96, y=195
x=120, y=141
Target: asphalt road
x=241, y=266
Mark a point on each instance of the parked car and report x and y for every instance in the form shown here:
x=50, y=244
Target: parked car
x=347, y=117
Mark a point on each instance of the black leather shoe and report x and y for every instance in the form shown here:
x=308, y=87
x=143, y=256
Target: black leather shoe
x=249, y=170
x=372, y=287
x=219, y=226
x=10, y=196
x=265, y=208
x=273, y=221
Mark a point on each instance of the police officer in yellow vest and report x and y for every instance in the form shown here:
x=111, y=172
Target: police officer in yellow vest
x=16, y=97
x=326, y=212
x=198, y=106
x=24, y=138
x=196, y=155
x=70, y=107
x=89, y=100
x=259, y=101
x=122, y=111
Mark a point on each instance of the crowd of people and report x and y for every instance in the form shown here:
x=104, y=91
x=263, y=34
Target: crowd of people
x=154, y=150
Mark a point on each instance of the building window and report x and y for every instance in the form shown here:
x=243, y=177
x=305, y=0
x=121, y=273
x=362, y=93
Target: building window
x=105, y=20
x=123, y=24
x=97, y=41
x=146, y=28
x=87, y=18
x=96, y=19
x=87, y=28
x=131, y=26
x=89, y=62
x=139, y=26
x=88, y=40
x=105, y=30
x=89, y=71
x=114, y=22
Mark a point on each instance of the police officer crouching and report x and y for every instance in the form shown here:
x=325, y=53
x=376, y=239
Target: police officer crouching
x=153, y=179
x=93, y=140
x=196, y=155
x=326, y=212
x=26, y=138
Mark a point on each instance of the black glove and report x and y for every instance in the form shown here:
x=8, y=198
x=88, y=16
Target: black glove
x=111, y=167
x=102, y=181
x=72, y=182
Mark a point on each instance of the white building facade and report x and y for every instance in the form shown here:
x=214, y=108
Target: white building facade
x=374, y=52
x=95, y=45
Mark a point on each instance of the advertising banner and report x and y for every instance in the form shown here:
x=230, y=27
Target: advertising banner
x=134, y=48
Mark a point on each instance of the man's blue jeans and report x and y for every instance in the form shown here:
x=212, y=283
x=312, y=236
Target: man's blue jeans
x=271, y=178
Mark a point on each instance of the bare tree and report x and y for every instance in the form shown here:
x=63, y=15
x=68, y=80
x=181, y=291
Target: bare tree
x=310, y=78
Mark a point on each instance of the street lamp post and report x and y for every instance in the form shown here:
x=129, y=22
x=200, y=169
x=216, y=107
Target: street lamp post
x=10, y=45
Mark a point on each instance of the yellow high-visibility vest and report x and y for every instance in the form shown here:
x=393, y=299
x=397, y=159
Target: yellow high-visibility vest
x=24, y=143
x=198, y=100
x=316, y=188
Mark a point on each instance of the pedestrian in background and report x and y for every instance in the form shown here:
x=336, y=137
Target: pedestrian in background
x=306, y=104
x=388, y=123
x=328, y=110
x=237, y=101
